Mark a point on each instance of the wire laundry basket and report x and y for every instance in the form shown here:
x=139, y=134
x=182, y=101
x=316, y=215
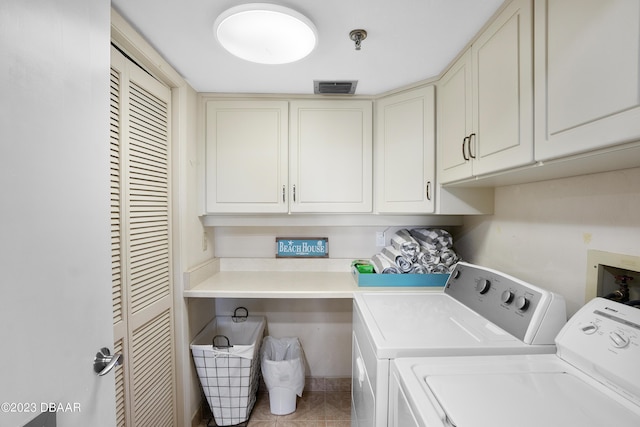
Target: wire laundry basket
x=226, y=355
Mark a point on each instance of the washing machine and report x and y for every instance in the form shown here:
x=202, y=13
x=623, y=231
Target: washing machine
x=592, y=380
x=480, y=311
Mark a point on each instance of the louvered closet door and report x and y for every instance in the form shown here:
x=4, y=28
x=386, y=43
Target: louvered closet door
x=141, y=250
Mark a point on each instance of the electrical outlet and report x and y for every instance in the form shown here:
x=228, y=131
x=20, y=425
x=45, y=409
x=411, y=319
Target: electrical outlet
x=380, y=239
x=205, y=241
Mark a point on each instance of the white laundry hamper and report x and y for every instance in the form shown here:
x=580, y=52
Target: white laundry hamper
x=226, y=355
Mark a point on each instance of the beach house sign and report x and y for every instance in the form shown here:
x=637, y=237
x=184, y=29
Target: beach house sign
x=315, y=247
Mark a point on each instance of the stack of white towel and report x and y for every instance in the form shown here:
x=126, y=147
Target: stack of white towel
x=419, y=251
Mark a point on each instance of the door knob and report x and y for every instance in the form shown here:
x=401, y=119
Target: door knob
x=104, y=361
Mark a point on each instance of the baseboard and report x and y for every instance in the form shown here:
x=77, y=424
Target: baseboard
x=327, y=384
x=320, y=384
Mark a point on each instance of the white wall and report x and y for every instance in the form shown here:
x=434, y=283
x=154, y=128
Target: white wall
x=259, y=242
x=196, y=312
x=196, y=250
x=541, y=232
x=323, y=327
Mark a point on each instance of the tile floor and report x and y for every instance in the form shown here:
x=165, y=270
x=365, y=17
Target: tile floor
x=329, y=408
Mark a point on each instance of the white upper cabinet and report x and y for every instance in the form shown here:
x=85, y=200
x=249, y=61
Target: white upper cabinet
x=455, y=121
x=404, y=152
x=587, y=75
x=331, y=148
x=485, y=101
x=266, y=156
x=246, y=156
x=502, y=91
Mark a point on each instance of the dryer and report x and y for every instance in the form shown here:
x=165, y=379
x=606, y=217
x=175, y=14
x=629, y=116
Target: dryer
x=480, y=311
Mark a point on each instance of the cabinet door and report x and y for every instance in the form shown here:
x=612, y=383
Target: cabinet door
x=331, y=156
x=246, y=156
x=454, y=121
x=503, y=91
x=587, y=75
x=404, y=152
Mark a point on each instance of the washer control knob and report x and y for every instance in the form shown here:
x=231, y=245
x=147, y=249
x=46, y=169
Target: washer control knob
x=619, y=340
x=507, y=297
x=483, y=286
x=522, y=303
x=590, y=329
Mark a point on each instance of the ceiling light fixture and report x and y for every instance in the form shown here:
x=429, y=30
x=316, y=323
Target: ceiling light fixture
x=265, y=33
x=357, y=36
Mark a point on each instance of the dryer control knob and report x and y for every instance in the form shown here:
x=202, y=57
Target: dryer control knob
x=522, y=303
x=507, y=297
x=590, y=329
x=619, y=339
x=483, y=286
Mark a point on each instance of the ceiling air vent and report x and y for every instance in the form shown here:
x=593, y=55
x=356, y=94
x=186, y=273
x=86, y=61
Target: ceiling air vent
x=345, y=87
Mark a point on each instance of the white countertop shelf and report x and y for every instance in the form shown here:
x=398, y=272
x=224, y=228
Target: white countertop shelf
x=289, y=284
x=208, y=281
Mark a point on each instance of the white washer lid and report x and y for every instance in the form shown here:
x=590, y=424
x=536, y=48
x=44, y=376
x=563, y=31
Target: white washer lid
x=433, y=324
x=527, y=399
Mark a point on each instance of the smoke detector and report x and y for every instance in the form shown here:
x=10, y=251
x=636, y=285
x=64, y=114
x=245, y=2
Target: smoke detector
x=342, y=87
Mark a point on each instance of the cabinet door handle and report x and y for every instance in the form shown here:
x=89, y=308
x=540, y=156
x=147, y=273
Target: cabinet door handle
x=429, y=190
x=464, y=153
x=472, y=136
x=294, y=193
x=283, y=193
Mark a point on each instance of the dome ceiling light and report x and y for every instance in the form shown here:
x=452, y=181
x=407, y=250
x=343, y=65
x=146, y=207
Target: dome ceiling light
x=265, y=33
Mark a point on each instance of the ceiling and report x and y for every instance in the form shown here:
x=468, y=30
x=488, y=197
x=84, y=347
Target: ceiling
x=408, y=41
